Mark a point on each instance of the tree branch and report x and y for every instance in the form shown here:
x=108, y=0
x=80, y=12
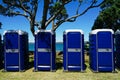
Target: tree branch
x=20, y=14
x=16, y=13
x=54, y=16
x=18, y=6
x=35, y=7
x=21, y=6
x=73, y=18
x=77, y=15
x=58, y=24
x=77, y=11
x=34, y=11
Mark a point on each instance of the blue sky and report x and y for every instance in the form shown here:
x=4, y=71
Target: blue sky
x=84, y=23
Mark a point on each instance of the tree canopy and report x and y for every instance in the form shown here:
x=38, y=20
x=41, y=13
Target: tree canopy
x=109, y=17
x=54, y=11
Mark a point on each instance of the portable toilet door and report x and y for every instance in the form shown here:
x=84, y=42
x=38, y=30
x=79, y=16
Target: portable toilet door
x=117, y=48
x=14, y=54
x=44, y=57
x=102, y=50
x=73, y=51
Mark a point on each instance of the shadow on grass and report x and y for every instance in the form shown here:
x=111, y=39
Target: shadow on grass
x=30, y=65
x=31, y=60
x=59, y=60
x=1, y=66
x=59, y=66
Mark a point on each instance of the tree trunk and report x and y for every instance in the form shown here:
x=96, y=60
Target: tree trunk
x=45, y=12
x=53, y=25
x=32, y=27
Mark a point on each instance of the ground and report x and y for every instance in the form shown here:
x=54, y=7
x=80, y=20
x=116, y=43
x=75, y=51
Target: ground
x=59, y=74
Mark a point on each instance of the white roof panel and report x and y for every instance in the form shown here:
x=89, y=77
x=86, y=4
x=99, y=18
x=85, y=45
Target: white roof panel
x=101, y=30
x=52, y=32
x=73, y=30
x=20, y=32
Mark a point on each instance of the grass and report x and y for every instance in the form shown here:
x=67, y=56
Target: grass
x=59, y=74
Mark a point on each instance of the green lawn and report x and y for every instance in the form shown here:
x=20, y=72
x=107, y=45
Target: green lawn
x=59, y=74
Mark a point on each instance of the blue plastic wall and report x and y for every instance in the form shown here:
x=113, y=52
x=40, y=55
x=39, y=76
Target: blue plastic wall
x=73, y=51
x=102, y=51
x=16, y=51
x=117, y=48
x=44, y=58
x=0, y=53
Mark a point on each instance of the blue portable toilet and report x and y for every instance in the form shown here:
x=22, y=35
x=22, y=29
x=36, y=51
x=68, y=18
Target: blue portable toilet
x=0, y=53
x=73, y=50
x=117, y=48
x=44, y=56
x=15, y=50
x=102, y=50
